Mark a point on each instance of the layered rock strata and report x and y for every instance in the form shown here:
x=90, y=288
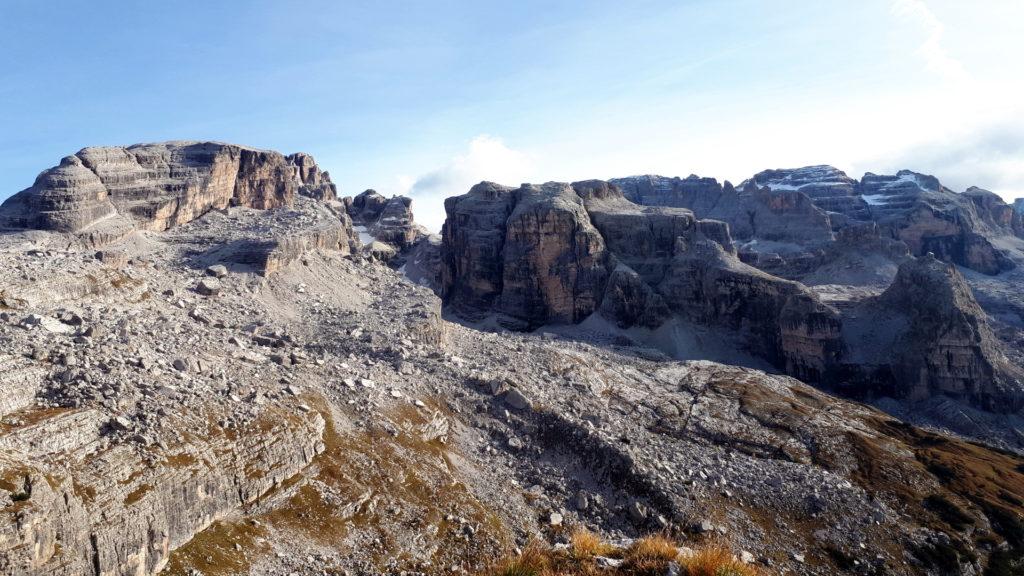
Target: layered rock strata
x=90, y=509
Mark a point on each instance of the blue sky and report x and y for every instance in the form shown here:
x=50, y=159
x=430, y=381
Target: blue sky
x=426, y=98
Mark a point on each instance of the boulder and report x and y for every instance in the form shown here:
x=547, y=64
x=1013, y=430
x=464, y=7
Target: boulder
x=208, y=287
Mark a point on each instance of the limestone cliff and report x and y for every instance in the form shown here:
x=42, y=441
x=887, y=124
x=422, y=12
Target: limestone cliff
x=556, y=253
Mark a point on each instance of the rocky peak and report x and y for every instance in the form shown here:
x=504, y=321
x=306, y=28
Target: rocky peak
x=932, y=288
x=828, y=187
x=365, y=207
x=808, y=176
x=895, y=192
x=103, y=193
x=993, y=210
x=386, y=220
x=942, y=342
x=314, y=183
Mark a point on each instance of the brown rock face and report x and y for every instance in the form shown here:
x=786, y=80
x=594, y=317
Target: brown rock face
x=554, y=258
x=529, y=253
x=101, y=193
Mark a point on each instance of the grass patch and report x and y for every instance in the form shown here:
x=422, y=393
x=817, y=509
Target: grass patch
x=223, y=548
x=649, y=556
x=716, y=560
x=137, y=494
x=584, y=545
x=949, y=512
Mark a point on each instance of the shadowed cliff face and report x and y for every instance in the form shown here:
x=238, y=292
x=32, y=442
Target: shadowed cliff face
x=931, y=336
x=557, y=253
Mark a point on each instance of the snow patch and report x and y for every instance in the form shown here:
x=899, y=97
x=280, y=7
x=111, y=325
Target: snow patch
x=876, y=199
x=364, y=235
x=778, y=186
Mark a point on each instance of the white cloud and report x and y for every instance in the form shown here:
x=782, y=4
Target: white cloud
x=932, y=50
x=487, y=158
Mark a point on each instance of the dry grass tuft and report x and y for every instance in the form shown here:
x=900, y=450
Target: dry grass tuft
x=585, y=544
x=715, y=560
x=534, y=561
x=648, y=556
x=654, y=547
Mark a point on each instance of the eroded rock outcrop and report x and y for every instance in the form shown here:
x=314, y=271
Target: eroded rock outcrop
x=386, y=220
x=315, y=183
x=116, y=513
